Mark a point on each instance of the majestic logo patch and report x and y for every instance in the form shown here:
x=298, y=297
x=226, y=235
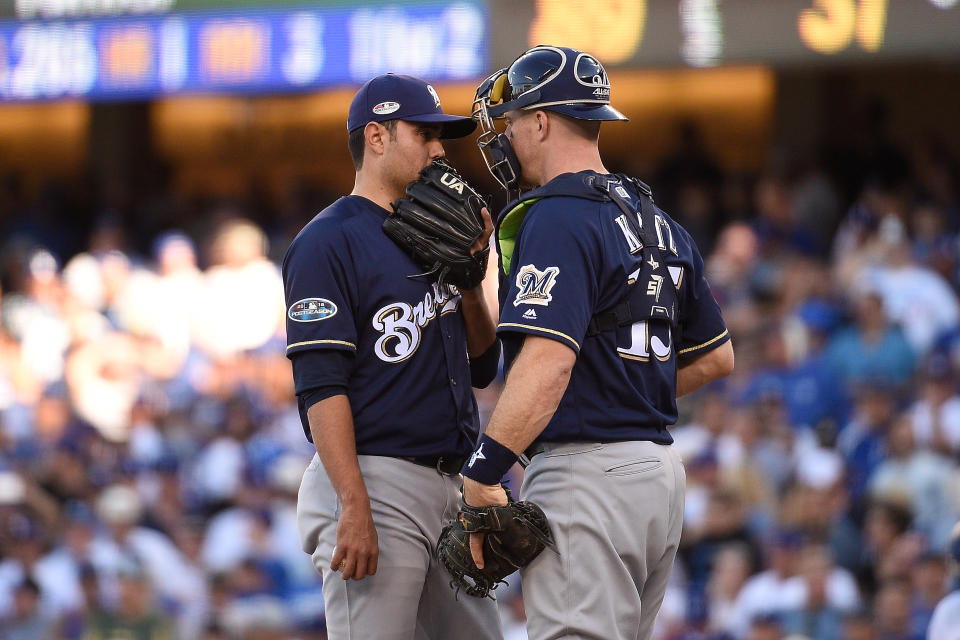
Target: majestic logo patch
x=384, y=108
x=311, y=310
x=535, y=285
x=530, y=314
x=436, y=98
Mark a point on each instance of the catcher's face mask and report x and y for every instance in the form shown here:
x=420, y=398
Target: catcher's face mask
x=494, y=146
x=567, y=81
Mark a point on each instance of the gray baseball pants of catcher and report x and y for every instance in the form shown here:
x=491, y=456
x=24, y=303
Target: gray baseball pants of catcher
x=616, y=512
x=409, y=598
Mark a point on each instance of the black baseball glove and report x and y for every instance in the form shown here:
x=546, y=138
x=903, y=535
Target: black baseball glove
x=515, y=535
x=437, y=224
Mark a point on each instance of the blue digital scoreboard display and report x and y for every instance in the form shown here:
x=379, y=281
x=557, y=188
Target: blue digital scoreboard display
x=248, y=51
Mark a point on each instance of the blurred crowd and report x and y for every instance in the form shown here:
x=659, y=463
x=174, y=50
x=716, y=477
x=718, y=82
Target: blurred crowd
x=151, y=450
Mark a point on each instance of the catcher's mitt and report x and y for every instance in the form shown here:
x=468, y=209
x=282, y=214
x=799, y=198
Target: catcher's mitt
x=515, y=535
x=437, y=223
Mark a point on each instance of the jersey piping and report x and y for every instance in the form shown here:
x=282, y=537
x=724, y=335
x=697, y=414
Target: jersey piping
x=705, y=344
x=541, y=329
x=306, y=342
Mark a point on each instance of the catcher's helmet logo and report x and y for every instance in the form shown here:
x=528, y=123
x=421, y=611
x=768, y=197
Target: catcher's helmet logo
x=453, y=182
x=535, y=285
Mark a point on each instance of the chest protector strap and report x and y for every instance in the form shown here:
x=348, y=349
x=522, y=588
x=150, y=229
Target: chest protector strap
x=650, y=294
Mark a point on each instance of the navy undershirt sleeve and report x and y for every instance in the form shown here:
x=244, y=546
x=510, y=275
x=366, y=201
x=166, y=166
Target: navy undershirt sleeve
x=483, y=368
x=320, y=368
x=319, y=374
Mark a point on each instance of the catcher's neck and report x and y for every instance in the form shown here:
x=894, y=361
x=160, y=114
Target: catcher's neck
x=571, y=158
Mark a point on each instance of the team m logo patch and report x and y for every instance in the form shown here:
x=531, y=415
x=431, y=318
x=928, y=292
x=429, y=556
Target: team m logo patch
x=534, y=285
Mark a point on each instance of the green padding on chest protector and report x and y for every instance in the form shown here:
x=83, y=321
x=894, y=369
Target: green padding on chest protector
x=507, y=232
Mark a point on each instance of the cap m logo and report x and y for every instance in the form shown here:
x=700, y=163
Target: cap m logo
x=535, y=285
x=436, y=98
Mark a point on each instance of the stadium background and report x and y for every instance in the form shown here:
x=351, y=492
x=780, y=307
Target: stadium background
x=157, y=156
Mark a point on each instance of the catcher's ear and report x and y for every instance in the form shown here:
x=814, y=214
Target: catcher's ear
x=543, y=123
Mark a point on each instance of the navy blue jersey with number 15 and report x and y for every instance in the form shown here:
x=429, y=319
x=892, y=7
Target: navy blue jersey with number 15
x=346, y=288
x=573, y=258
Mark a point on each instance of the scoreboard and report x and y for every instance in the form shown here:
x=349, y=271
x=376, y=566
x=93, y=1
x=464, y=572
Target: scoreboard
x=135, y=49
x=251, y=50
x=709, y=33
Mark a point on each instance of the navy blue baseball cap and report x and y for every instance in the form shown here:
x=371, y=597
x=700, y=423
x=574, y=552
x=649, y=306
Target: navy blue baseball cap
x=398, y=97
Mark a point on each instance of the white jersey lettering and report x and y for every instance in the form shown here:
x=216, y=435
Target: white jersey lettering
x=401, y=323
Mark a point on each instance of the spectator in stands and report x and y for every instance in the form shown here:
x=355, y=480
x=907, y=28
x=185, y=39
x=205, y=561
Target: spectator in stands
x=945, y=623
x=921, y=478
x=244, y=284
x=928, y=585
x=815, y=601
x=872, y=349
x=862, y=441
x=891, y=611
x=760, y=596
x=136, y=614
x=731, y=567
x=27, y=620
x=935, y=415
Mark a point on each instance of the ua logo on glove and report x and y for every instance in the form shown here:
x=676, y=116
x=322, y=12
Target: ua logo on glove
x=453, y=182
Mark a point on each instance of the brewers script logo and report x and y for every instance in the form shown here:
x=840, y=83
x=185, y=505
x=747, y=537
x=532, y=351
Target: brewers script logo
x=534, y=285
x=401, y=323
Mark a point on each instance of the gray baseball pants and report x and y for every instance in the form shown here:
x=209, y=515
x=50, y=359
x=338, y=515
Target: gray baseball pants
x=616, y=512
x=409, y=598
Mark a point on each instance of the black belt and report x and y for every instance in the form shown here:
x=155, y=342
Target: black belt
x=447, y=465
x=534, y=449
x=529, y=452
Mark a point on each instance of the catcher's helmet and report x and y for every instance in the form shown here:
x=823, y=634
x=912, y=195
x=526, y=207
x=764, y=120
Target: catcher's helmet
x=559, y=79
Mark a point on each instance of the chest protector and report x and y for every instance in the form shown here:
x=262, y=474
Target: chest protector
x=649, y=293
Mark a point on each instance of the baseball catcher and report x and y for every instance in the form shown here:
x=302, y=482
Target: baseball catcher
x=514, y=535
x=438, y=223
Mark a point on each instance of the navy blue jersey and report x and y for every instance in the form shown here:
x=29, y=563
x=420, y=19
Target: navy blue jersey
x=572, y=260
x=346, y=288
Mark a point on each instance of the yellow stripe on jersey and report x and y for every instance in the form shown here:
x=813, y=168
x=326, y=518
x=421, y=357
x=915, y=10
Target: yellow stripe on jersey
x=550, y=331
x=705, y=344
x=303, y=344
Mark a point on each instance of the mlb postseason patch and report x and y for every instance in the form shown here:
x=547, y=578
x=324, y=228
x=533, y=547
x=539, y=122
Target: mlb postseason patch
x=534, y=285
x=386, y=107
x=311, y=310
